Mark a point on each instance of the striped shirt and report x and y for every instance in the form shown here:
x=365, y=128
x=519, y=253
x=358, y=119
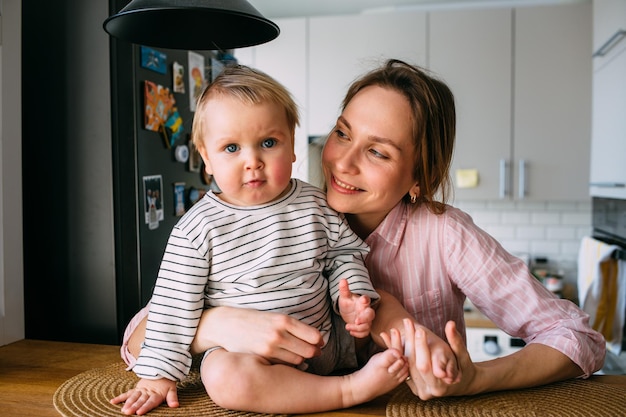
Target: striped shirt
x=286, y=256
x=431, y=263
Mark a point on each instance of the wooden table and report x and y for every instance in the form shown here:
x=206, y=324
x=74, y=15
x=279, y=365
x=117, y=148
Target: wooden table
x=32, y=370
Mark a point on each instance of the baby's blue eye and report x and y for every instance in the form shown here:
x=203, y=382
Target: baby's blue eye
x=268, y=143
x=231, y=148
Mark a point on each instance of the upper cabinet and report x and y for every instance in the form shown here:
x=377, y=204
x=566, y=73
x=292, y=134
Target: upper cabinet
x=522, y=80
x=341, y=48
x=471, y=51
x=608, y=144
x=552, y=101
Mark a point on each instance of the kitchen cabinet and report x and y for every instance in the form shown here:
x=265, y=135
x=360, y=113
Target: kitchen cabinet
x=471, y=51
x=552, y=101
x=341, y=48
x=608, y=143
x=522, y=81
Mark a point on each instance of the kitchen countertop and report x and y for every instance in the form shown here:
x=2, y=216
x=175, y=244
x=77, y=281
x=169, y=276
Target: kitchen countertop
x=31, y=371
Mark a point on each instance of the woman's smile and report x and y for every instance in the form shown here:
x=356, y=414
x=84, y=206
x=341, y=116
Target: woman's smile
x=343, y=185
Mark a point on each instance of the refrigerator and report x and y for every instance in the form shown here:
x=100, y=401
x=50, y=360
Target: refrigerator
x=94, y=229
x=157, y=174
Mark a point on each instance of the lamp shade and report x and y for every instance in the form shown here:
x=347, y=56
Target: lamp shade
x=191, y=24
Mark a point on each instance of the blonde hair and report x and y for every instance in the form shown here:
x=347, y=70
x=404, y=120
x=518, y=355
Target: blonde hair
x=249, y=85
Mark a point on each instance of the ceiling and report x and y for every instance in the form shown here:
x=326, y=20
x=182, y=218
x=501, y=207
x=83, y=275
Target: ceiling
x=273, y=9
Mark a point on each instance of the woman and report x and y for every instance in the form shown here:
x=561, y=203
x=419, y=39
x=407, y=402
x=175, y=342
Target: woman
x=387, y=164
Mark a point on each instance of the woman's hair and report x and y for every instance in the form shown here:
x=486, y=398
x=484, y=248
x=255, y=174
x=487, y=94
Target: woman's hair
x=434, y=125
x=250, y=86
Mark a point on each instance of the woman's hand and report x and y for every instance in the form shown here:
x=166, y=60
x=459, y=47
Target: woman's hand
x=426, y=381
x=276, y=337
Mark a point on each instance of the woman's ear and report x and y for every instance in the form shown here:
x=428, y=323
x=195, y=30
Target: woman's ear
x=415, y=190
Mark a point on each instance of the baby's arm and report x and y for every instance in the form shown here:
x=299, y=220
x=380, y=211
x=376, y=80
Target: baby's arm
x=355, y=310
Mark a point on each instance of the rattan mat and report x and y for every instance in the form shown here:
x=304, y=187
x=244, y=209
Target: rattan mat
x=87, y=394
x=573, y=398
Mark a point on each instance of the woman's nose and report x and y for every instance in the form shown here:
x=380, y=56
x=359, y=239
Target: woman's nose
x=347, y=160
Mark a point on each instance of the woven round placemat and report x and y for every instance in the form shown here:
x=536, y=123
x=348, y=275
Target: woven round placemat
x=573, y=398
x=87, y=395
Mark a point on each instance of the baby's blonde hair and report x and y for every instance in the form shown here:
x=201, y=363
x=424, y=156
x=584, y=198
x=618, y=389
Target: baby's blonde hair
x=249, y=85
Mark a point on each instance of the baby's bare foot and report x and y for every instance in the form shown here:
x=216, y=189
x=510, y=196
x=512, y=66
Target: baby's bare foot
x=382, y=373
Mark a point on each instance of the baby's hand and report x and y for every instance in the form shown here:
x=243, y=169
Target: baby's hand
x=147, y=395
x=355, y=310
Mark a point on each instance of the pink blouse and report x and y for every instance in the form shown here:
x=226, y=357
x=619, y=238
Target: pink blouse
x=431, y=263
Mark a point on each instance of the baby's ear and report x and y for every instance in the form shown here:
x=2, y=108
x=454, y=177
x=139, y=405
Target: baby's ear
x=205, y=158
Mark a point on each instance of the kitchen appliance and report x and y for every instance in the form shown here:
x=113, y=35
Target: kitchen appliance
x=484, y=340
x=609, y=226
x=609, y=222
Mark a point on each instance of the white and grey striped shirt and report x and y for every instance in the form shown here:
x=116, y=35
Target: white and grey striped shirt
x=286, y=256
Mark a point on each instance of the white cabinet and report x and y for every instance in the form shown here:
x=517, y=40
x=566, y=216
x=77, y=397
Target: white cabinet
x=471, y=51
x=552, y=101
x=608, y=145
x=341, y=48
x=522, y=81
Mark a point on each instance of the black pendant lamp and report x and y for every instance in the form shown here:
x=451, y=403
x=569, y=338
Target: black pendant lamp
x=191, y=24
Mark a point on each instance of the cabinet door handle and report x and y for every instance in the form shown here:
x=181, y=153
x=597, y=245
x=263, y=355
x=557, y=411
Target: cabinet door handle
x=608, y=184
x=608, y=45
x=521, y=192
x=504, y=178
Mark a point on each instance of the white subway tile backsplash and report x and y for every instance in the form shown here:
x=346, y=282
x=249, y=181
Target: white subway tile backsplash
x=547, y=248
x=574, y=218
x=560, y=232
x=545, y=217
x=516, y=217
x=530, y=232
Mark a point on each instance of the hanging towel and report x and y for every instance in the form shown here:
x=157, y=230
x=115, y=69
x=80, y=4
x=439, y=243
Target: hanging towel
x=602, y=290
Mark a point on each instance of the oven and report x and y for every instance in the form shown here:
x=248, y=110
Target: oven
x=609, y=223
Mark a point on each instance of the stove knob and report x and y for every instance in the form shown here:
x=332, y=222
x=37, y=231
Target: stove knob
x=490, y=346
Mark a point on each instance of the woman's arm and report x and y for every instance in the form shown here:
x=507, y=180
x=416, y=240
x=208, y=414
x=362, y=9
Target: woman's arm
x=277, y=337
x=533, y=365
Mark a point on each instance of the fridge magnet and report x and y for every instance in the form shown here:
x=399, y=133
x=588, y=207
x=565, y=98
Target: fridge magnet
x=153, y=60
x=181, y=153
x=173, y=128
x=178, y=72
x=158, y=105
x=179, y=198
x=196, y=65
x=195, y=161
x=153, y=192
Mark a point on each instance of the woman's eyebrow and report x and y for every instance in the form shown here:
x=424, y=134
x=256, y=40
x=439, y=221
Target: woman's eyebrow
x=373, y=138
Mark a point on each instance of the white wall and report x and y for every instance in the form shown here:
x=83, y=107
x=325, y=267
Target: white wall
x=11, y=258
